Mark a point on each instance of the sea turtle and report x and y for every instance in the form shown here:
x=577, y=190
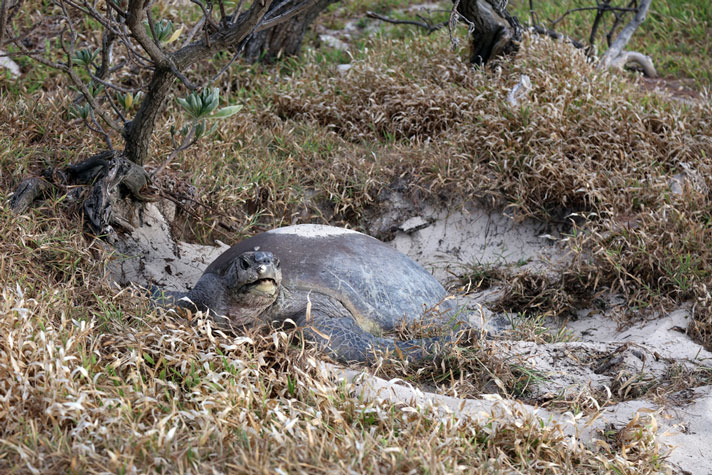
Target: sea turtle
x=342, y=287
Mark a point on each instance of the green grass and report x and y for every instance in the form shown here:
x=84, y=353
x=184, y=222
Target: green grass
x=677, y=35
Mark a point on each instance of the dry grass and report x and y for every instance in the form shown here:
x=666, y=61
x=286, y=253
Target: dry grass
x=467, y=367
x=557, y=152
x=160, y=396
x=92, y=381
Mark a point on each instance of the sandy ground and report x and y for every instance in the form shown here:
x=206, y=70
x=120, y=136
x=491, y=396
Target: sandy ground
x=601, y=356
x=7, y=64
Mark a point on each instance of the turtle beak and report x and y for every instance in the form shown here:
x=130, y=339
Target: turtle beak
x=266, y=271
x=268, y=278
x=267, y=267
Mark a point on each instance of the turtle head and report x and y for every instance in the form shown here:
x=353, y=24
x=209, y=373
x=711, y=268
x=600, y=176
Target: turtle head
x=255, y=273
x=252, y=282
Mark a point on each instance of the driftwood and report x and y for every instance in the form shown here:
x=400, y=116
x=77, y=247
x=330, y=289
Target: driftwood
x=108, y=176
x=494, y=32
x=616, y=57
x=27, y=192
x=627, y=57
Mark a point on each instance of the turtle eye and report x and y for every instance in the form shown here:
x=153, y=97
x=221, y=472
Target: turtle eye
x=244, y=263
x=276, y=262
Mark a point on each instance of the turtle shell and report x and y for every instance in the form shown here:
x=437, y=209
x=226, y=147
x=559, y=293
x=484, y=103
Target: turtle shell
x=366, y=275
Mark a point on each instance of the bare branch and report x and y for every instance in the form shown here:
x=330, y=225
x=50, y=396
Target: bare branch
x=108, y=84
x=77, y=81
x=532, y=12
x=4, y=6
x=117, y=111
x=70, y=26
x=557, y=36
x=616, y=23
x=227, y=66
x=206, y=15
x=22, y=36
x=88, y=10
x=424, y=24
x=6, y=15
x=624, y=36
x=135, y=55
x=599, y=8
x=187, y=142
x=98, y=129
x=115, y=8
x=115, y=28
x=193, y=31
x=223, y=17
x=152, y=27
x=107, y=50
x=181, y=77
x=236, y=13
x=274, y=21
x=275, y=10
x=222, y=38
x=134, y=19
x=596, y=22
x=37, y=55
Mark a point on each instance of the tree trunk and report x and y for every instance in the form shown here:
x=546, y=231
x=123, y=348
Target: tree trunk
x=495, y=32
x=285, y=39
x=139, y=131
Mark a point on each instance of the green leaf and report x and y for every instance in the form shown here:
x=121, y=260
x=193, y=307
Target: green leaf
x=163, y=29
x=199, y=129
x=94, y=89
x=126, y=100
x=226, y=112
x=183, y=103
x=85, y=56
x=199, y=105
x=80, y=111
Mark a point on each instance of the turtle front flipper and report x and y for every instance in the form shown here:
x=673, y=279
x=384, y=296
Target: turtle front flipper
x=347, y=342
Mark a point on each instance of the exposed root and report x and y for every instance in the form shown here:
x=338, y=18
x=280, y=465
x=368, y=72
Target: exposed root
x=107, y=174
x=27, y=192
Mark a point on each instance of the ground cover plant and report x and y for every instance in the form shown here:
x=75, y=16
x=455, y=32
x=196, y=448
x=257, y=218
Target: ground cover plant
x=93, y=379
